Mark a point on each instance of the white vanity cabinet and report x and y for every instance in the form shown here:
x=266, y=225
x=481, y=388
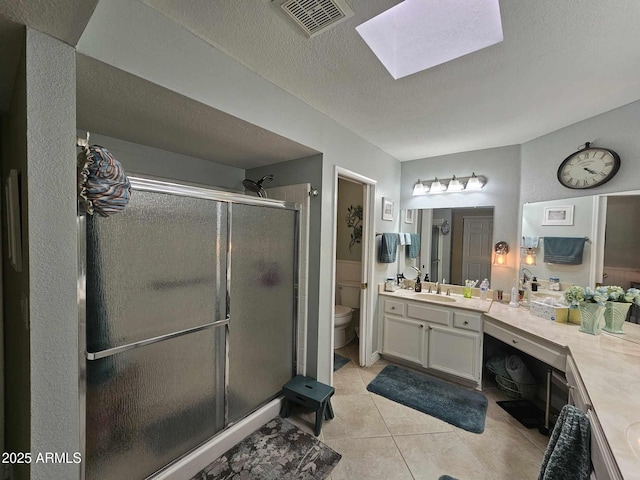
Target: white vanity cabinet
x=444, y=339
x=604, y=464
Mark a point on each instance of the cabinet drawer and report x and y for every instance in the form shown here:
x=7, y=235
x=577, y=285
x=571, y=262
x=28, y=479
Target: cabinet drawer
x=578, y=392
x=429, y=314
x=395, y=308
x=467, y=321
x=556, y=358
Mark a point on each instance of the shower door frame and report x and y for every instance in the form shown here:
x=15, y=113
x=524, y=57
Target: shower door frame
x=141, y=183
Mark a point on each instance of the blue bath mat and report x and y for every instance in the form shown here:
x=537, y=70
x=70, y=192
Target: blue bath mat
x=339, y=361
x=455, y=405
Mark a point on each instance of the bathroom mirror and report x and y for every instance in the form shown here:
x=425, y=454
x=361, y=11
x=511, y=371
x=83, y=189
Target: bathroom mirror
x=456, y=243
x=410, y=273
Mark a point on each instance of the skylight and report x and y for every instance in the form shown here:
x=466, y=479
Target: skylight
x=419, y=34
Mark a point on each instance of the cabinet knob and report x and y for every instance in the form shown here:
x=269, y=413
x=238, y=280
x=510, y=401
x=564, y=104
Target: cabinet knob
x=466, y=322
x=514, y=340
x=393, y=308
x=421, y=326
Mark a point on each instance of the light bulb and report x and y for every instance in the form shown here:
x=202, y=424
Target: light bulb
x=418, y=189
x=436, y=187
x=454, y=185
x=474, y=183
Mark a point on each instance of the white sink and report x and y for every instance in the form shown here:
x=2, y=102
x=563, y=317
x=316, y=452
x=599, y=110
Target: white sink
x=434, y=297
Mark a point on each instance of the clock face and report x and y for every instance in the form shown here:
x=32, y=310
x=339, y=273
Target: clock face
x=588, y=168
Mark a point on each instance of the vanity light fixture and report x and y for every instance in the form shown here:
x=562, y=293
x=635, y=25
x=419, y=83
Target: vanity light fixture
x=529, y=257
x=501, y=250
x=448, y=185
x=419, y=189
x=454, y=185
x=474, y=183
x=436, y=187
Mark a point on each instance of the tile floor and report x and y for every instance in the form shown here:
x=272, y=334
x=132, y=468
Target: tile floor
x=381, y=439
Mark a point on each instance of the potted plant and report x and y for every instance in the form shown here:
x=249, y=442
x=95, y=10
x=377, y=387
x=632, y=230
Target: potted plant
x=617, y=306
x=591, y=304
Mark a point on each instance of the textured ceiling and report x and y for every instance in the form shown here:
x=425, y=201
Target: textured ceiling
x=62, y=19
x=560, y=62
x=115, y=103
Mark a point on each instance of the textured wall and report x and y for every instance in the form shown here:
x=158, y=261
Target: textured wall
x=617, y=130
x=501, y=166
x=144, y=160
x=213, y=78
x=51, y=118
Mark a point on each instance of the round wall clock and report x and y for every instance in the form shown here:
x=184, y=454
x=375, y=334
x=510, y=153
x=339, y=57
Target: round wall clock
x=589, y=167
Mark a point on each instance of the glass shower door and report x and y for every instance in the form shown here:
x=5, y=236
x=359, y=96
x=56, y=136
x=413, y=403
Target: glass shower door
x=262, y=303
x=156, y=303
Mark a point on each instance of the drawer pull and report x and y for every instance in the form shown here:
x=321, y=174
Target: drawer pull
x=466, y=322
x=514, y=340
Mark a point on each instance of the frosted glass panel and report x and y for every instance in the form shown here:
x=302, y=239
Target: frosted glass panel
x=262, y=301
x=157, y=268
x=147, y=406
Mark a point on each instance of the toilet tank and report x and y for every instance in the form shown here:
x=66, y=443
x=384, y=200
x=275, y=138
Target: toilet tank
x=349, y=294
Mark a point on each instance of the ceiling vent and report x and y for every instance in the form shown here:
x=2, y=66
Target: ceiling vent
x=315, y=16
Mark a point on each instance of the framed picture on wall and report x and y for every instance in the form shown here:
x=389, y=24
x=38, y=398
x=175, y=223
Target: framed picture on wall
x=561, y=215
x=387, y=209
x=408, y=216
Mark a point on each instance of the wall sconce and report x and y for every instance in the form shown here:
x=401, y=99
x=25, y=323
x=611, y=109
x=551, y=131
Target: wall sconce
x=501, y=250
x=529, y=257
x=453, y=184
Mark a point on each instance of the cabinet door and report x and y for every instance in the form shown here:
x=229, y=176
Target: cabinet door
x=454, y=352
x=403, y=338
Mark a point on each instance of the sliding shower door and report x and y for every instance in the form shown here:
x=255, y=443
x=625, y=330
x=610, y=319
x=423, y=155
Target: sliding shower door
x=156, y=318
x=263, y=305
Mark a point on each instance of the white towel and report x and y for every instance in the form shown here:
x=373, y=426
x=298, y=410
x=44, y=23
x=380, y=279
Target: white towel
x=518, y=371
x=407, y=239
x=530, y=242
x=401, y=239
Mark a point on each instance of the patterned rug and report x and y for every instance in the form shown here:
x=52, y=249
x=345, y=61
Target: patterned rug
x=339, y=361
x=455, y=405
x=277, y=451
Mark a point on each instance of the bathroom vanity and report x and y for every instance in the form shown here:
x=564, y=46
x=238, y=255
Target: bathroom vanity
x=443, y=334
x=436, y=332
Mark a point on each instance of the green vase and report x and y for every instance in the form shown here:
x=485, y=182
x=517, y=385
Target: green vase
x=591, y=318
x=615, y=313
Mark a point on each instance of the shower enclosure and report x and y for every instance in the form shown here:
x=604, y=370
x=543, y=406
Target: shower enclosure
x=187, y=303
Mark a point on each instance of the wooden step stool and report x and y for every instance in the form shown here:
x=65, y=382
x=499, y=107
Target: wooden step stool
x=309, y=393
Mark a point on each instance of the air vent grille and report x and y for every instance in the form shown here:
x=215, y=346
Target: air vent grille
x=315, y=15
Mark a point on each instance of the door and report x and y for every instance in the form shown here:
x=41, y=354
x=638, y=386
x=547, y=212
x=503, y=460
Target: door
x=263, y=305
x=476, y=248
x=403, y=338
x=454, y=352
x=155, y=309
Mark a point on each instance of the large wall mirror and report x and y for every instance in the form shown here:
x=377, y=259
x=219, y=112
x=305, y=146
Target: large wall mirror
x=456, y=244
x=611, y=224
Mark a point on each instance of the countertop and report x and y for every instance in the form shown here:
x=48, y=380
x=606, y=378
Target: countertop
x=459, y=301
x=609, y=366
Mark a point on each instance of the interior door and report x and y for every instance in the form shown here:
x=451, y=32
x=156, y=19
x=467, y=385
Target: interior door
x=476, y=248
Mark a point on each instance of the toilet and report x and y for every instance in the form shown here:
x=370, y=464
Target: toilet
x=347, y=299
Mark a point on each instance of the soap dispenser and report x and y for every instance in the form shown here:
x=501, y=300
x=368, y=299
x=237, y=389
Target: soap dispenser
x=418, y=286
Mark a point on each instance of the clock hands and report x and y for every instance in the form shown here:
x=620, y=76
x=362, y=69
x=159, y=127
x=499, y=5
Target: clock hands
x=592, y=172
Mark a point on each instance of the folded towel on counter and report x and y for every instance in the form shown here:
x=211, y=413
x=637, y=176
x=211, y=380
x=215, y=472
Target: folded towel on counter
x=402, y=240
x=388, y=248
x=530, y=242
x=563, y=250
x=518, y=371
x=414, y=247
x=568, y=454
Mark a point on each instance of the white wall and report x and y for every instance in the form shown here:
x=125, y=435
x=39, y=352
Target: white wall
x=616, y=130
x=149, y=161
x=139, y=40
x=53, y=312
x=501, y=166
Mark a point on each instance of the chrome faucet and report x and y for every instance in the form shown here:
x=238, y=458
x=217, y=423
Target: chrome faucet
x=438, y=290
x=429, y=288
